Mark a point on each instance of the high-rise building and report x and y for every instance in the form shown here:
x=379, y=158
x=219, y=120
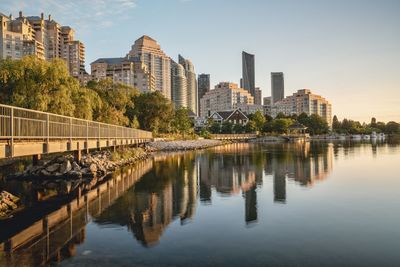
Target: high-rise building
x=225, y=96
x=248, y=73
x=179, y=85
x=304, y=101
x=44, y=38
x=148, y=51
x=125, y=71
x=203, y=86
x=191, y=91
x=277, y=86
x=257, y=96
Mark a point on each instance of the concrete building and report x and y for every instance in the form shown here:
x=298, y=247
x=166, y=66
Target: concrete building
x=257, y=96
x=225, y=96
x=304, y=101
x=179, y=85
x=277, y=86
x=267, y=107
x=126, y=71
x=250, y=109
x=203, y=86
x=148, y=51
x=191, y=88
x=17, y=38
x=248, y=73
x=44, y=38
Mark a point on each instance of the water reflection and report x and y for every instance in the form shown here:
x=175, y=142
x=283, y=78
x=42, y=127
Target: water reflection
x=147, y=198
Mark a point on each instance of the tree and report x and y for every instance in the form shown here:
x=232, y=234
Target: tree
x=37, y=84
x=238, y=128
x=373, y=122
x=392, y=127
x=226, y=127
x=250, y=127
x=280, y=115
x=181, y=122
x=317, y=125
x=281, y=125
x=154, y=112
x=259, y=120
x=336, y=126
x=215, y=127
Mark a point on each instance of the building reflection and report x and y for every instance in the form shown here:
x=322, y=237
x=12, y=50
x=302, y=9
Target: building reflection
x=305, y=163
x=167, y=189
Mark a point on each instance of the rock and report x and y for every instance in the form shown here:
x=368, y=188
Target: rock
x=52, y=168
x=9, y=203
x=65, y=167
x=75, y=166
x=45, y=173
x=93, y=168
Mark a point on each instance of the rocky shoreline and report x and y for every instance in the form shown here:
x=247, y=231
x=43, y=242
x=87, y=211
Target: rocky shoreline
x=184, y=145
x=8, y=203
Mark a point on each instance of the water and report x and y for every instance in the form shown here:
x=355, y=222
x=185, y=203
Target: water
x=303, y=204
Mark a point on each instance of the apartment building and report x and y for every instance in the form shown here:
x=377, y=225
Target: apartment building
x=44, y=38
x=130, y=72
x=225, y=96
x=149, y=52
x=304, y=101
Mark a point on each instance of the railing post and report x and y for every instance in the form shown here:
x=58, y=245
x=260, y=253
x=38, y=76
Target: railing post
x=87, y=136
x=47, y=131
x=70, y=131
x=12, y=132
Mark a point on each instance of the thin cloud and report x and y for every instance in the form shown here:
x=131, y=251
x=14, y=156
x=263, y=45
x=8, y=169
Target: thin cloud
x=80, y=14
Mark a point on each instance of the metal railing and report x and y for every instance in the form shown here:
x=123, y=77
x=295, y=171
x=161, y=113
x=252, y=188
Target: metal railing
x=19, y=123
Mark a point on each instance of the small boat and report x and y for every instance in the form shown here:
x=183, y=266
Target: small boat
x=373, y=135
x=366, y=137
x=356, y=137
x=342, y=137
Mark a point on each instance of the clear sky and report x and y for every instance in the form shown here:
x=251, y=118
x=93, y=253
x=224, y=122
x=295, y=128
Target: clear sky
x=345, y=50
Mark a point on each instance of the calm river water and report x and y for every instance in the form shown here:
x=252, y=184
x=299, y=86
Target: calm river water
x=299, y=204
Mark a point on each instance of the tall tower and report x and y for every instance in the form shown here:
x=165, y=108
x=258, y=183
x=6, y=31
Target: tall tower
x=178, y=84
x=277, y=87
x=156, y=61
x=248, y=75
x=191, y=83
x=203, y=86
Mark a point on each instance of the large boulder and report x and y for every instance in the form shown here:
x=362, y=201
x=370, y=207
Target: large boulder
x=53, y=167
x=65, y=167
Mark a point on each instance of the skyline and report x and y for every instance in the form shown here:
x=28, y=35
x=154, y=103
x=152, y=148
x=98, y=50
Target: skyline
x=348, y=55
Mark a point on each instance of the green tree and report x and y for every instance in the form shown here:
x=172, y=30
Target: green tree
x=250, y=127
x=215, y=127
x=154, y=112
x=373, y=122
x=238, y=128
x=259, y=120
x=37, y=84
x=281, y=125
x=336, y=125
x=392, y=127
x=182, y=123
x=226, y=127
x=317, y=125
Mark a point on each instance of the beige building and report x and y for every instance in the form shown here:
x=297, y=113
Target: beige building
x=225, y=96
x=43, y=38
x=125, y=71
x=304, y=101
x=149, y=52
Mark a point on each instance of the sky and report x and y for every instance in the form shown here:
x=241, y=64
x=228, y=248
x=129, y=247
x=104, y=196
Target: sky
x=348, y=51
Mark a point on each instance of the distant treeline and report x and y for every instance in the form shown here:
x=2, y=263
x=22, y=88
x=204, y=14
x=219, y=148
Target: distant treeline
x=47, y=86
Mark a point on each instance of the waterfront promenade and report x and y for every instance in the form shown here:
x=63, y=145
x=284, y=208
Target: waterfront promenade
x=25, y=132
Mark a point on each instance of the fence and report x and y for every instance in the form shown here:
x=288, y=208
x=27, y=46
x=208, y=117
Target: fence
x=25, y=124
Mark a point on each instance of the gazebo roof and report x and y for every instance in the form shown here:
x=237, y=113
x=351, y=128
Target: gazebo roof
x=297, y=126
